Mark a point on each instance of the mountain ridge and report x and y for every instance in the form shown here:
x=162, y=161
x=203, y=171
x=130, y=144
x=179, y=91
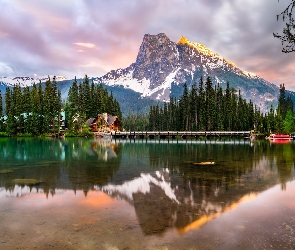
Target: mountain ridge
x=163, y=66
x=162, y=63
x=25, y=81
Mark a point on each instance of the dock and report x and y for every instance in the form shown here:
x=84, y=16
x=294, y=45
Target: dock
x=178, y=134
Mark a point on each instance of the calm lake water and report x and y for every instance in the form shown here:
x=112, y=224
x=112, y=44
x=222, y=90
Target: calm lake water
x=146, y=194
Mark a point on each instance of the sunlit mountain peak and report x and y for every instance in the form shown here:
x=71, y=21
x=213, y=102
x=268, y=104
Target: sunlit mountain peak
x=207, y=52
x=198, y=46
x=183, y=40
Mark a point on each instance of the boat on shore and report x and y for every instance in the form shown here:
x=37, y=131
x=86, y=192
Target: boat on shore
x=280, y=138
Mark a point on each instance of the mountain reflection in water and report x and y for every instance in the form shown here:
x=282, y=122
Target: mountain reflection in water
x=160, y=181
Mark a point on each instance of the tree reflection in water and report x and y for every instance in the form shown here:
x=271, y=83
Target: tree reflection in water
x=160, y=180
x=75, y=164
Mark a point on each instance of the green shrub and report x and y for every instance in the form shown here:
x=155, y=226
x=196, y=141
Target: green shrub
x=4, y=134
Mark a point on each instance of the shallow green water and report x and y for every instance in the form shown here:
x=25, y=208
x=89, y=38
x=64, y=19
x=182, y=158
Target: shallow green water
x=146, y=194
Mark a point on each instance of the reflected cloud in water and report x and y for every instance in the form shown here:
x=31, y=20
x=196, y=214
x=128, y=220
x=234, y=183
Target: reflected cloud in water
x=160, y=182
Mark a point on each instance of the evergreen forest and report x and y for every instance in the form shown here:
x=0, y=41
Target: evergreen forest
x=39, y=110
x=209, y=108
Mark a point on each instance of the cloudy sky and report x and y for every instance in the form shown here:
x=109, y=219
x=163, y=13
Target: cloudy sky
x=78, y=37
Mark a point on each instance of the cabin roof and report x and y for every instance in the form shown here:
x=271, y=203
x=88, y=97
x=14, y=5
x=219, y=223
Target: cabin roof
x=110, y=119
x=90, y=121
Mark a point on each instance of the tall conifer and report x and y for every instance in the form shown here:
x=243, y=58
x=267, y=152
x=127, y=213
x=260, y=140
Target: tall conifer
x=1, y=105
x=201, y=109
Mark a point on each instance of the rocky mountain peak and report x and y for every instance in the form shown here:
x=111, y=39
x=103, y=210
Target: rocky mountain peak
x=162, y=66
x=183, y=40
x=156, y=58
x=160, y=38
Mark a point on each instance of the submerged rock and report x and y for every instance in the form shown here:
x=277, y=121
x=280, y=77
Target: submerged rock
x=204, y=163
x=5, y=171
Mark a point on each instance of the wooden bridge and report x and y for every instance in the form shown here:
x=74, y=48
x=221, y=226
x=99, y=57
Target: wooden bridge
x=182, y=134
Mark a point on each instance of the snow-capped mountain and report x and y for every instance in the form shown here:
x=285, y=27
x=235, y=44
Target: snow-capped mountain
x=162, y=66
x=25, y=81
x=160, y=70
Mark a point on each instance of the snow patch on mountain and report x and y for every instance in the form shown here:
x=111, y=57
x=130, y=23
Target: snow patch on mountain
x=25, y=81
x=163, y=90
x=127, y=81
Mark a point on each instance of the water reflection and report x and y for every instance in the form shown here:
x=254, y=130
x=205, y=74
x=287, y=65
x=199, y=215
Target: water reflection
x=103, y=149
x=75, y=164
x=206, y=218
x=161, y=181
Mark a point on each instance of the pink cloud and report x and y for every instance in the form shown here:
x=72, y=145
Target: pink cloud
x=60, y=36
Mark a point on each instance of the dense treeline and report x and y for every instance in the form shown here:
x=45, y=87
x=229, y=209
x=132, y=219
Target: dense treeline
x=208, y=108
x=205, y=108
x=38, y=110
x=32, y=111
x=136, y=122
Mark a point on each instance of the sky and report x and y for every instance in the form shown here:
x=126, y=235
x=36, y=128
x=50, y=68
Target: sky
x=78, y=37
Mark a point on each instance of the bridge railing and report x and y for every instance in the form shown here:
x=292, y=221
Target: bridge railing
x=178, y=133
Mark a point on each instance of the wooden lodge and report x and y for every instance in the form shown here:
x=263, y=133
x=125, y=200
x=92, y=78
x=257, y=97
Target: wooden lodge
x=104, y=123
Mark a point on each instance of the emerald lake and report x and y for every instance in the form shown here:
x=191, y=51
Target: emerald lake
x=146, y=194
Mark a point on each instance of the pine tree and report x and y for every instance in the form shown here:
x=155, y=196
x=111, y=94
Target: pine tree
x=201, y=111
x=17, y=103
x=1, y=104
x=58, y=110
x=234, y=101
x=193, y=103
x=48, y=107
x=93, y=111
x=26, y=101
x=118, y=110
x=227, y=108
x=11, y=126
x=35, y=122
x=11, y=123
x=40, y=110
x=165, y=117
x=271, y=121
x=100, y=99
x=152, y=119
x=51, y=107
x=209, y=104
x=289, y=104
x=282, y=105
x=111, y=109
x=279, y=124
x=86, y=93
x=72, y=104
x=250, y=115
x=289, y=122
x=239, y=113
x=2, y=127
x=8, y=101
x=219, y=109
x=184, y=109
